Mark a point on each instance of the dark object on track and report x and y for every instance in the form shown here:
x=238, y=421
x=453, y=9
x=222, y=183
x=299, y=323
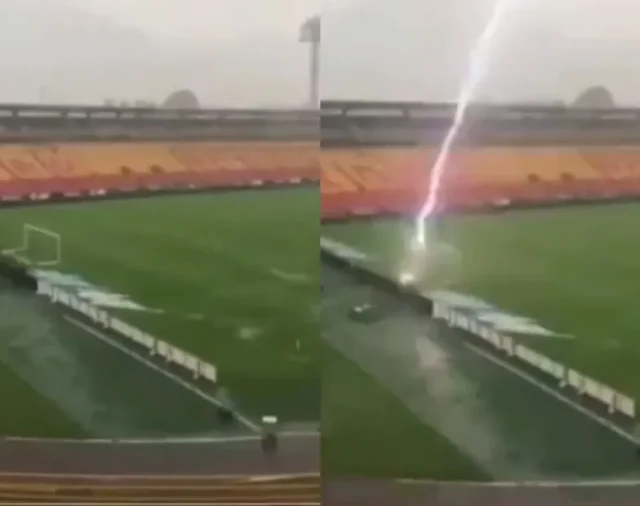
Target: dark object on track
x=225, y=416
x=269, y=443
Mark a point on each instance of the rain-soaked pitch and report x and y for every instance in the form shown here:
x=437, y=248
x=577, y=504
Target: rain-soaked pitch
x=492, y=420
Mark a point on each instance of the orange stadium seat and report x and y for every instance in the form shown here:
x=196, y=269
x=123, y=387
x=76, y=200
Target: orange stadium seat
x=617, y=167
x=616, y=163
x=368, y=180
x=473, y=176
x=369, y=170
x=83, y=166
x=333, y=181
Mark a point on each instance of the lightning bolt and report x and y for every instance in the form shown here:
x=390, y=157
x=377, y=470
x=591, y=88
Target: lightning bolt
x=479, y=63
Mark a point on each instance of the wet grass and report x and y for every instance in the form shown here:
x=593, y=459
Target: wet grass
x=574, y=270
x=368, y=432
x=26, y=413
x=232, y=278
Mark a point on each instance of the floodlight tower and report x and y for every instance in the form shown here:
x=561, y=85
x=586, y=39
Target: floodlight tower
x=310, y=34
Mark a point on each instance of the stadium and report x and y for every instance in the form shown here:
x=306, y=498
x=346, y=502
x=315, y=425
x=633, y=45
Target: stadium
x=512, y=377
x=159, y=305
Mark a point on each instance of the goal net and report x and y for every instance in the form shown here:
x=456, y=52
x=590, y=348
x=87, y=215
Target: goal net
x=39, y=246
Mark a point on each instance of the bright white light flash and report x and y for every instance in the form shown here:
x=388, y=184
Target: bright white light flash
x=479, y=63
x=407, y=278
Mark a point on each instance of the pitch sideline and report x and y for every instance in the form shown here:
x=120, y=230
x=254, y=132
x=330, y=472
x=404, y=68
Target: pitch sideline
x=553, y=393
x=212, y=400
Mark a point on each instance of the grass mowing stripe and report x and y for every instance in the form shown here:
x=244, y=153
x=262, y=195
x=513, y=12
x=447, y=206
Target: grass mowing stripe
x=104, y=338
x=358, y=439
x=205, y=260
x=368, y=430
x=24, y=411
x=574, y=270
x=554, y=393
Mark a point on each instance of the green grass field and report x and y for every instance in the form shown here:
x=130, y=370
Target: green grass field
x=27, y=410
x=368, y=432
x=230, y=277
x=234, y=279
x=367, y=429
x=574, y=270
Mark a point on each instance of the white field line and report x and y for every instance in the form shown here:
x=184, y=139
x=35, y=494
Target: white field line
x=517, y=484
x=104, y=338
x=163, y=441
x=258, y=478
x=169, y=478
x=553, y=393
x=257, y=502
x=294, y=278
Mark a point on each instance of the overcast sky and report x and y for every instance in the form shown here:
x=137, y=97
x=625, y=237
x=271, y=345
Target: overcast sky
x=246, y=53
x=230, y=52
x=544, y=50
x=208, y=19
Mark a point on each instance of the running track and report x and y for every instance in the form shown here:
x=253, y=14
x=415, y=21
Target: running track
x=234, y=471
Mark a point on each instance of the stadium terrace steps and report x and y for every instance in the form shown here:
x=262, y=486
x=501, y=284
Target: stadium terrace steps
x=82, y=167
x=376, y=180
x=352, y=180
x=69, y=489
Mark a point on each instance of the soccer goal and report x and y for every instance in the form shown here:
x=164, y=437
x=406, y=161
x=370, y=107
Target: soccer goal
x=40, y=246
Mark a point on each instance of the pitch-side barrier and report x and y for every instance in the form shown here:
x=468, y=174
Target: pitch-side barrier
x=193, y=365
x=613, y=401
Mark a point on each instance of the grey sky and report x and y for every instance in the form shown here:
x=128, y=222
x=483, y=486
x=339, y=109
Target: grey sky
x=246, y=53
x=230, y=52
x=208, y=19
x=547, y=49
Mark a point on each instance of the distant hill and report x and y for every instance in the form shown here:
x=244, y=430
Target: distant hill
x=597, y=97
x=181, y=99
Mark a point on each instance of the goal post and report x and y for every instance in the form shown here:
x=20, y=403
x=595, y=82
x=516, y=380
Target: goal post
x=40, y=246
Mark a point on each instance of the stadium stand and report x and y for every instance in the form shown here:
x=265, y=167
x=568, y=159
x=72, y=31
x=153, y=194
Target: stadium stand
x=77, y=151
x=96, y=489
x=395, y=179
x=81, y=167
x=383, y=179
